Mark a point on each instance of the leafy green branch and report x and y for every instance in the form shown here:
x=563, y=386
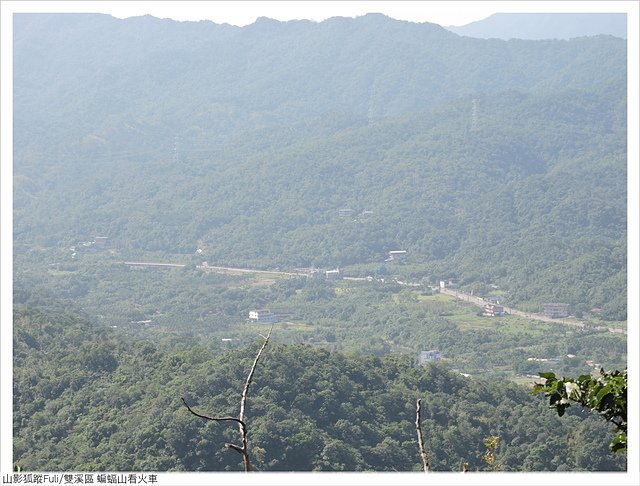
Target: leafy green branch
x=605, y=394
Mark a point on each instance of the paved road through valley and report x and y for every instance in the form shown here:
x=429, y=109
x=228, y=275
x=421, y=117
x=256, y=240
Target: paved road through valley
x=472, y=299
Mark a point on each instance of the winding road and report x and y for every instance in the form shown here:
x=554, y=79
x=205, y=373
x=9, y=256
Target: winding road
x=530, y=315
x=452, y=292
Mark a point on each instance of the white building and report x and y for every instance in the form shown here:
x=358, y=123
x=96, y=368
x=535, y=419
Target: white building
x=493, y=310
x=396, y=255
x=448, y=283
x=332, y=274
x=262, y=315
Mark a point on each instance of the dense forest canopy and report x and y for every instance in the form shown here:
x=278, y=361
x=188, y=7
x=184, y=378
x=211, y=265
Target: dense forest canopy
x=308, y=409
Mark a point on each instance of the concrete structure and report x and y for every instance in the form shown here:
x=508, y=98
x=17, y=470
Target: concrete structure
x=493, y=310
x=429, y=356
x=448, y=283
x=396, y=255
x=556, y=310
x=332, y=274
x=262, y=315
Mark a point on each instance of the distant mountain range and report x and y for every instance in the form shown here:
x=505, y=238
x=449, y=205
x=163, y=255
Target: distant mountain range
x=537, y=26
x=96, y=69
x=487, y=160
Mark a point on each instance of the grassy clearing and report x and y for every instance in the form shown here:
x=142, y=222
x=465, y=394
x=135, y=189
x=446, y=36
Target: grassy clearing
x=595, y=322
x=509, y=325
x=518, y=325
x=263, y=281
x=467, y=319
x=296, y=326
x=435, y=298
x=60, y=273
x=280, y=326
x=342, y=290
x=525, y=380
x=470, y=321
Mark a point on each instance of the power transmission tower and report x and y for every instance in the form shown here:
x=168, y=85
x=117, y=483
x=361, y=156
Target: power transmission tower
x=474, y=115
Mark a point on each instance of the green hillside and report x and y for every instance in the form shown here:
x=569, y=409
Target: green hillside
x=532, y=197
x=84, y=74
x=85, y=399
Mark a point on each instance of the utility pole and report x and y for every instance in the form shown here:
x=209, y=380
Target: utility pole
x=474, y=114
x=373, y=94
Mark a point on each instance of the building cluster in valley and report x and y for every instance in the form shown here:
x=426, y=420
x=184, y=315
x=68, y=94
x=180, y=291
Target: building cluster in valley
x=491, y=304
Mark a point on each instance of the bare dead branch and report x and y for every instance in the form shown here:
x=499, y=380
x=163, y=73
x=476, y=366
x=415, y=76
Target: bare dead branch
x=216, y=419
x=243, y=401
x=423, y=453
x=234, y=447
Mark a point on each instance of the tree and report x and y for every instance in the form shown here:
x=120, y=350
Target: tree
x=242, y=426
x=605, y=394
x=492, y=443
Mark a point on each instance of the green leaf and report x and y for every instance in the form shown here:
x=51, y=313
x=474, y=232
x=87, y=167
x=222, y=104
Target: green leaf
x=555, y=397
x=547, y=375
x=619, y=442
x=538, y=388
x=606, y=403
x=604, y=391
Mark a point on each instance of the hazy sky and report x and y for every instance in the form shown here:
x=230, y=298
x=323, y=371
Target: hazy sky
x=245, y=12
x=445, y=13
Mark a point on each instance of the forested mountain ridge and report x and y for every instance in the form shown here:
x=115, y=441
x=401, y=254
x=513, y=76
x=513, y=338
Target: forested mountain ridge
x=91, y=70
x=492, y=161
x=435, y=186
x=89, y=399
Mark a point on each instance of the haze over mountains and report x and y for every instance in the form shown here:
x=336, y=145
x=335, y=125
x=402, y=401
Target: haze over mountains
x=147, y=152
x=536, y=26
x=489, y=160
x=276, y=72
